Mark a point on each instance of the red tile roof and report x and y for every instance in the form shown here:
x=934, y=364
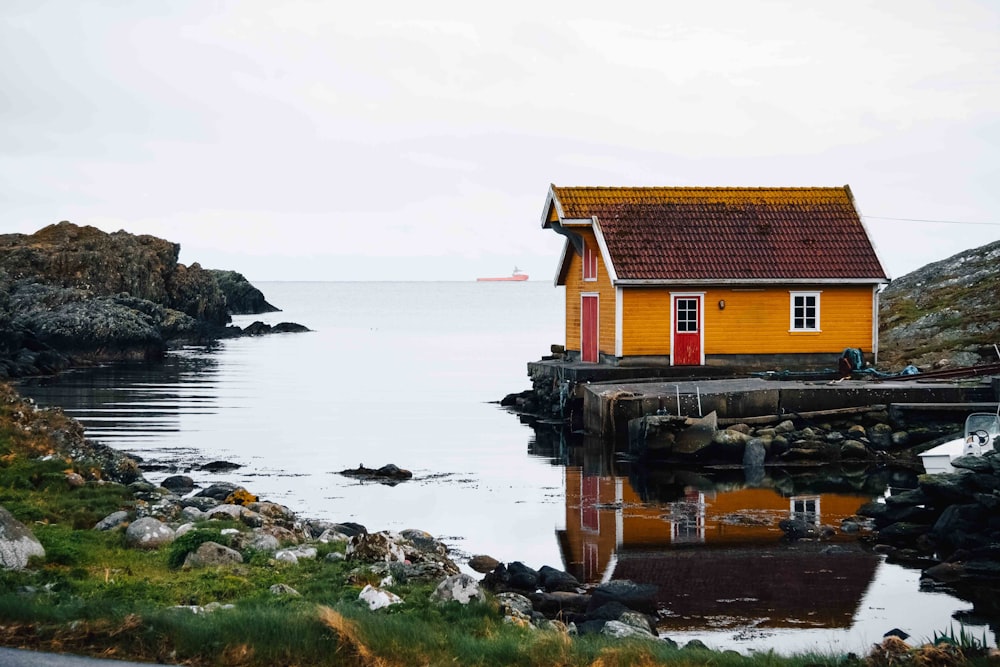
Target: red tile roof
x=665, y=233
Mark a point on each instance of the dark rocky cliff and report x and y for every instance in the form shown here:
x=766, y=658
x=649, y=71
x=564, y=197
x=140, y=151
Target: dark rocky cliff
x=70, y=294
x=242, y=298
x=85, y=258
x=944, y=314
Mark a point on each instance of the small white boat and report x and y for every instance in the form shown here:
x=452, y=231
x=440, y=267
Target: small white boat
x=981, y=432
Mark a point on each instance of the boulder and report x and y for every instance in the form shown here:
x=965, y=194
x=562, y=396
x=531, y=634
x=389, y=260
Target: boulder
x=17, y=543
x=202, y=503
x=635, y=596
x=148, y=533
x=522, y=577
x=880, y=436
x=460, y=588
x=192, y=514
x=376, y=598
x=638, y=621
x=219, y=466
x=300, y=552
x=111, y=521
x=349, y=528
x=610, y=611
x=274, y=513
x=381, y=546
x=226, y=511
x=212, y=554
x=284, y=590
x=786, y=426
x=553, y=580
x=425, y=543
x=286, y=556
x=560, y=602
x=180, y=484
x=620, y=630
x=514, y=602
x=218, y=491
x=263, y=542
x=854, y=449
x=388, y=474
x=483, y=564
x=428, y=571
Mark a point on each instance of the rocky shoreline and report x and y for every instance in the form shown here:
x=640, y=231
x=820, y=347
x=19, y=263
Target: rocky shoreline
x=949, y=526
x=962, y=536
x=167, y=511
x=72, y=295
x=546, y=599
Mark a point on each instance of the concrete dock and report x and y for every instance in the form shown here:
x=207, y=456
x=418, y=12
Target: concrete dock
x=608, y=406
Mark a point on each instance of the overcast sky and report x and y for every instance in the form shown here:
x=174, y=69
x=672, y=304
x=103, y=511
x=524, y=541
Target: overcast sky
x=416, y=140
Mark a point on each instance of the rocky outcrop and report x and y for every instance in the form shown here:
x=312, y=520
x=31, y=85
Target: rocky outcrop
x=948, y=525
x=71, y=295
x=102, y=264
x=242, y=298
x=943, y=314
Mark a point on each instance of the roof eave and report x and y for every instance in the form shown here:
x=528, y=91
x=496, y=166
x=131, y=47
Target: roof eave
x=868, y=235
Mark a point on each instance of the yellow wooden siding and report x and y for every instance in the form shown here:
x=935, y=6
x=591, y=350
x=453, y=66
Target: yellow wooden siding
x=759, y=322
x=752, y=322
x=645, y=321
x=576, y=285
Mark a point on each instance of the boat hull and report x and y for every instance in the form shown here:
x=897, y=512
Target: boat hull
x=505, y=279
x=938, y=459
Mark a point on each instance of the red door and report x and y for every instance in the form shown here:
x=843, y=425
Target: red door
x=588, y=328
x=686, y=349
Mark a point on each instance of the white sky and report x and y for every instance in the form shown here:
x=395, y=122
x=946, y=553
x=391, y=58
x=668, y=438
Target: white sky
x=416, y=140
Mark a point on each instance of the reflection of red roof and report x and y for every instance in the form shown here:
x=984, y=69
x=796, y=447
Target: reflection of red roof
x=785, y=585
x=665, y=233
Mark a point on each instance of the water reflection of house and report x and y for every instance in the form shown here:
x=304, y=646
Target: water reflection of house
x=717, y=553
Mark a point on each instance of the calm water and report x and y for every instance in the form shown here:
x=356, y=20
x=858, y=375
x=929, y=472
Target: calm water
x=405, y=373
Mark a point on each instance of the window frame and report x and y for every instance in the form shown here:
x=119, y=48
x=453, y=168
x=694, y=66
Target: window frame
x=687, y=310
x=793, y=296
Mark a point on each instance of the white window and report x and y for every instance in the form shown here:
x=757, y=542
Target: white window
x=805, y=508
x=805, y=311
x=589, y=262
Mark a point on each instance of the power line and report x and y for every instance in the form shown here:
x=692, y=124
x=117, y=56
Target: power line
x=943, y=222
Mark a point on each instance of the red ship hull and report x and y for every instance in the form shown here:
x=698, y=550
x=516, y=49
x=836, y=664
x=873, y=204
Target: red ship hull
x=515, y=278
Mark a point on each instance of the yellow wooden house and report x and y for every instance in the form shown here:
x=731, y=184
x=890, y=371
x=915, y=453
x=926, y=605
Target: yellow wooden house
x=743, y=277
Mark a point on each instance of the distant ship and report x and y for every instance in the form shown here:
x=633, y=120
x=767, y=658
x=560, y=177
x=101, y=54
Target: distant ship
x=517, y=275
